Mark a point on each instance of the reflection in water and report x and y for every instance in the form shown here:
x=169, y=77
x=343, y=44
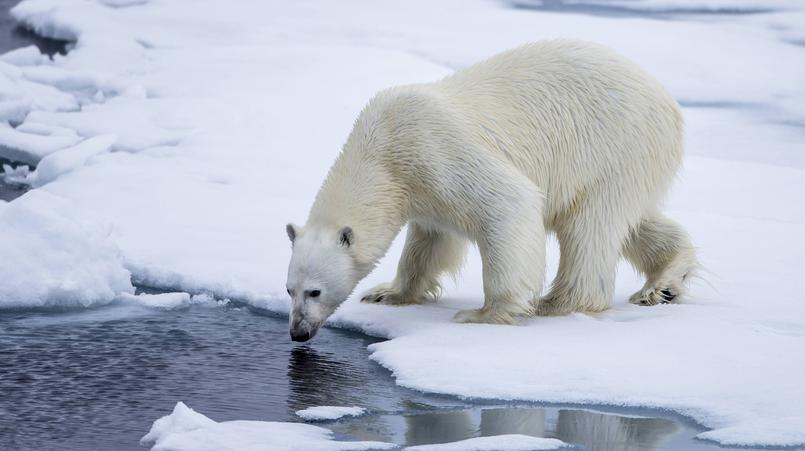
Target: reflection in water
x=592, y=430
x=513, y=421
x=601, y=432
x=316, y=379
x=319, y=379
x=438, y=427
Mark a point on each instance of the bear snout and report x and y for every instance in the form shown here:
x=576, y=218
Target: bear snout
x=303, y=336
x=302, y=330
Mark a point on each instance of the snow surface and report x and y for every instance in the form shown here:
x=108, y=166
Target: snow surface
x=509, y=442
x=186, y=429
x=329, y=412
x=229, y=114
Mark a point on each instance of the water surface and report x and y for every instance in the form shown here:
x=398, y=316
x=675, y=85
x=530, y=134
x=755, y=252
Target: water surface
x=96, y=379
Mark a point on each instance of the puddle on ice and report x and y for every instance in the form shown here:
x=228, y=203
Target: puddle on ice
x=97, y=378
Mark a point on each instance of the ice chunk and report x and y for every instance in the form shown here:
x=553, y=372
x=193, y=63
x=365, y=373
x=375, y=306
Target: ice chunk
x=18, y=95
x=29, y=143
x=24, y=56
x=171, y=300
x=16, y=175
x=64, y=79
x=161, y=300
x=329, y=412
x=507, y=442
x=71, y=158
x=52, y=257
x=42, y=17
x=187, y=430
x=131, y=120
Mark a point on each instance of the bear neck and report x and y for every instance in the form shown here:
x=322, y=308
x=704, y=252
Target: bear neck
x=361, y=193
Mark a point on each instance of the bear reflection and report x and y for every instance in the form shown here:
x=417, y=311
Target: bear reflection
x=450, y=426
x=319, y=379
x=594, y=431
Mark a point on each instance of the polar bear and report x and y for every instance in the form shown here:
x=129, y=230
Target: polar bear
x=559, y=136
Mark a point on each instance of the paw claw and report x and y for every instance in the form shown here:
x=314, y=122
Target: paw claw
x=387, y=294
x=654, y=296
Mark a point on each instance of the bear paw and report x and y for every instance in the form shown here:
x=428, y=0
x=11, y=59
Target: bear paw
x=548, y=306
x=654, y=296
x=482, y=316
x=387, y=294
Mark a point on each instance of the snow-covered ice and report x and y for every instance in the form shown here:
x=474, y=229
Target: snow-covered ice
x=50, y=258
x=319, y=413
x=187, y=430
x=227, y=116
x=508, y=442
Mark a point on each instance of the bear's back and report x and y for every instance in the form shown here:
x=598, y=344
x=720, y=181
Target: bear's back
x=568, y=113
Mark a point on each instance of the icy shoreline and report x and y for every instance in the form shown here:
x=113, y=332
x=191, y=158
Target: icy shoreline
x=135, y=131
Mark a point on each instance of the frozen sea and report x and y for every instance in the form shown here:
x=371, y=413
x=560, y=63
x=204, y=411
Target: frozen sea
x=172, y=142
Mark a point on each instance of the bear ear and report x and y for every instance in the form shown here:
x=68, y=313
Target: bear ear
x=292, y=231
x=346, y=237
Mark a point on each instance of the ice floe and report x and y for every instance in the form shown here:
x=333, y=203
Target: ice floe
x=187, y=430
x=318, y=413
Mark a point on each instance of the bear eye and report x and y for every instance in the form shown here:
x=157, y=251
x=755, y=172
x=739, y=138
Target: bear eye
x=315, y=293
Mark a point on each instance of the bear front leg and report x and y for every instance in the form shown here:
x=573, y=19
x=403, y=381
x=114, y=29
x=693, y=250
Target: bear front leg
x=513, y=255
x=428, y=253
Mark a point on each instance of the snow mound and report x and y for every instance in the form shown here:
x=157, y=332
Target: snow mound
x=187, y=430
x=507, y=442
x=53, y=259
x=319, y=413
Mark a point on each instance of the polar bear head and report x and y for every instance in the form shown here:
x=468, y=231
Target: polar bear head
x=321, y=276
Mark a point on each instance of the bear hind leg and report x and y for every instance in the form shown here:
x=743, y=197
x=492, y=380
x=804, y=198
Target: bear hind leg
x=428, y=254
x=661, y=250
x=590, y=240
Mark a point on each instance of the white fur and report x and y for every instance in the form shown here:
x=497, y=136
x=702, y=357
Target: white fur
x=556, y=136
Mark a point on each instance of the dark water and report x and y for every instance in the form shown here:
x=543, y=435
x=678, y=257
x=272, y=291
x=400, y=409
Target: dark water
x=96, y=379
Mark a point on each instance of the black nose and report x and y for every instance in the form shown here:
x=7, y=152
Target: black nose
x=300, y=337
